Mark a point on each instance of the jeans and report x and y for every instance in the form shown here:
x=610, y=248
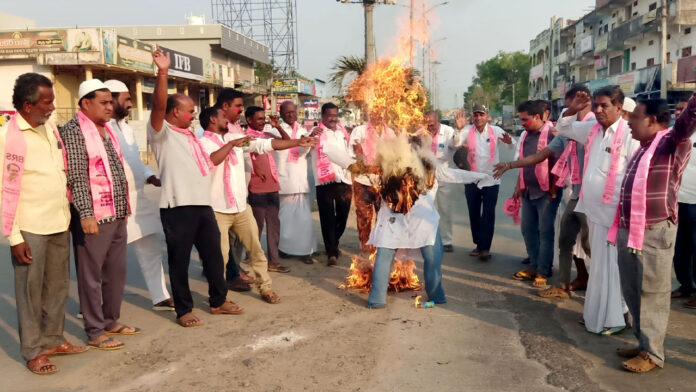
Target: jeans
x=482, y=222
x=685, y=248
x=538, y=218
x=432, y=274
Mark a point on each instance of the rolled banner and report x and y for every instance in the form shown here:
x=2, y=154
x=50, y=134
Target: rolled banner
x=512, y=209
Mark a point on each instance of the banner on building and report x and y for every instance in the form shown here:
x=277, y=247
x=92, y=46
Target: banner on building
x=212, y=72
x=311, y=109
x=132, y=54
x=83, y=40
x=184, y=65
x=285, y=85
x=626, y=83
x=31, y=43
x=586, y=44
x=686, y=70
x=536, y=71
x=305, y=87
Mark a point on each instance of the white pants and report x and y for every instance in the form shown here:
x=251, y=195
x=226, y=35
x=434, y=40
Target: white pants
x=148, y=251
x=604, y=304
x=297, y=235
x=443, y=204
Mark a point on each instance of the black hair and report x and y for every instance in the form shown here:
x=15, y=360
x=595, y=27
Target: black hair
x=543, y=104
x=206, y=115
x=91, y=95
x=251, y=111
x=658, y=108
x=26, y=89
x=531, y=108
x=227, y=95
x=431, y=112
x=613, y=92
x=327, y=106
x=576, y=88
x=174, y=101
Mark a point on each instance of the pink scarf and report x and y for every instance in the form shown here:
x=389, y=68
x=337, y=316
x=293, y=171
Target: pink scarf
x=541, y=170
x=325, y=172
x=234, y=128
x=230, y=159
x=294, y=154
x=512, y=209
x=636, y=230
x=254, y=156
x=100, y=174
x=15, y=153
x=205, y=165
x=433, y=145
x=616, y=143
x=370, y=143
x=471, y=145
x=563, y=168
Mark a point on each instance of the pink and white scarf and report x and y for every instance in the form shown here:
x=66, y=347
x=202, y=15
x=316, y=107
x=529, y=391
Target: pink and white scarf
x=294, y=153
x=230, y=159
x=636, y=230
x=100, y=173
x=234, y=128
x=541, y=169
x=205, y=165
x=16, y=153
x=325, y=172
x=271, y=161
x=433, y=145
x=616, y=144
x=563, y=168
x=471, y=144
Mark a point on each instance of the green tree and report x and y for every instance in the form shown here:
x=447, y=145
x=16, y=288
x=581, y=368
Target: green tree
x=495, y=77
x=345, y=66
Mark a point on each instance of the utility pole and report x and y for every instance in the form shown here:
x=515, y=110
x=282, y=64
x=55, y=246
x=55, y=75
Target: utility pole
x=513, y=101
x=370, y=51
x=663, y=50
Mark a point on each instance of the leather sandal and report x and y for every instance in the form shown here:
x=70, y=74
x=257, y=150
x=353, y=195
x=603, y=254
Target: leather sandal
x=65, y=348
x=228, y=307
x=554, y=292
x=641, y=363
x=41, y=365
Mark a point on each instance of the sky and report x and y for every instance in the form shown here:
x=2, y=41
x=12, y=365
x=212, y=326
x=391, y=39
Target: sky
x=473, y=30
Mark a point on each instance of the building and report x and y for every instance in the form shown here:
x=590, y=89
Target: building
x=617, y=43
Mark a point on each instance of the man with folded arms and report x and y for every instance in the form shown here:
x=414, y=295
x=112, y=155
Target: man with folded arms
x=35, y=219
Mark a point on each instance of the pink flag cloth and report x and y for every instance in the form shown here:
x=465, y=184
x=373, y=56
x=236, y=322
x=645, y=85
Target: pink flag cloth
x=541, y=170
x=471, y=144
x=512, y=209
x=231, y=158
x=325, y=172
x=294, y=153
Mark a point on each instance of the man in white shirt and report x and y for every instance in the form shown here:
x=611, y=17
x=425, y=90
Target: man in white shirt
x=333, y=183
x=685, y=246
x=187, y=218
x=229, y=191
x=608, y=148
x=144, y=223
x=481, y=199
x=297, y=236
x=444, y=143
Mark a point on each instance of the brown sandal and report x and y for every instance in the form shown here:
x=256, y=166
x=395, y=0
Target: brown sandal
x=65, y=348
x=42, y=365
x=524, y=275
x=641, y=363
x=270, y=296
x=121, y=330
x=540, y=282
x=554, y=292
x=228, y=307
x=189, y=320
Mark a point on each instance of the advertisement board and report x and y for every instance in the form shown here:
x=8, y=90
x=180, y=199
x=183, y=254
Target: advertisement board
x=285, y=85
x=83, y=40
x=311, y=109
x=184, y=65
x=31, y=43
x=305, y=87
x=129, y=53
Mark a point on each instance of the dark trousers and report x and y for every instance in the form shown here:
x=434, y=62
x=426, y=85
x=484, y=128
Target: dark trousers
x=185, y=227
x=481, y=204
x=101, y=274
x=685, y=249
x=334, y=205
x=265, y=208
x=41, y=290
x=572, y=224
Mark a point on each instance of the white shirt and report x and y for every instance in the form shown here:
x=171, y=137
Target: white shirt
x=483, y=151
x=598, y=164
x=218, y=199
x=292, y=176
x=414, y=230
x=335, y=146
x=687, y=191
x=181, y=178
x=448, y=140
x=358, y=136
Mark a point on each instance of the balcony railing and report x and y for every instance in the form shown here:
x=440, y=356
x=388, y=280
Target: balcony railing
x=636, y=26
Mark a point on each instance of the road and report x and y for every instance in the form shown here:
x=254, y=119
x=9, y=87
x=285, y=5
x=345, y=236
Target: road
x=494, y=334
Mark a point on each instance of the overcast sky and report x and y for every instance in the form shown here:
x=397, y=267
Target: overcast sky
x=475, y=30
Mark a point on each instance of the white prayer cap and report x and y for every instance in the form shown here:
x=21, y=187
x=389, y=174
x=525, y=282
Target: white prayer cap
x=89, y=86
x=629, y=105
x=116, y=86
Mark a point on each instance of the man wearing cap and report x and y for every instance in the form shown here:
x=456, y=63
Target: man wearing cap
x=35, y=218
x=482, y=141
x=143, y=224
x=97, y=182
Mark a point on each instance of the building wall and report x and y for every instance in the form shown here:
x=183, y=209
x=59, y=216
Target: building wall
x=10, y=71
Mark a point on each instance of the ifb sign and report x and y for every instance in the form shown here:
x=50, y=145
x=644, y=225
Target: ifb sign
x=184, y=65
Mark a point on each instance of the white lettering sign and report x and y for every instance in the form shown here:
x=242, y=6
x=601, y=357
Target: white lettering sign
x=182, y=62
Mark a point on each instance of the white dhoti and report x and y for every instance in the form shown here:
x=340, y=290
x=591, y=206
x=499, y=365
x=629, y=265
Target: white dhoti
x=604, y=304
x=148, y=251
x=297, y=235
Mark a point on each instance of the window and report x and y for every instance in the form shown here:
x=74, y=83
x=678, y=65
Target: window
x=652, y=7
x=651, y=43
x=633, y=66
x=669, y=36
x=613, y=15
x=669, y=60
x=633, y=49
x=635, y=3
x=687, y=30
x=635, y=13
x=606, y=28
x=613, y=26
x=686, y=52
x=651, y=62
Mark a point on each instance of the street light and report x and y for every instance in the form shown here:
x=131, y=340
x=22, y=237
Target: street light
x=430, y=63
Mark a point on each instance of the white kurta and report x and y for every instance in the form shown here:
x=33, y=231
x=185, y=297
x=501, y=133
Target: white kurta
x=144, y=219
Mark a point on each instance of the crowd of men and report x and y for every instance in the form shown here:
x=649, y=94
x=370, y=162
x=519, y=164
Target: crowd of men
x=619, y=161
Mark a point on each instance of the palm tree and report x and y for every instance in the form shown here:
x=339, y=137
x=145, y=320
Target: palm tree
x=345, y=66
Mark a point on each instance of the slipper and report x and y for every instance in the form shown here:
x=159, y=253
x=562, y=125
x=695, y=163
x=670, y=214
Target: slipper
x=612, y=331
x=122, y=331
x=332, y=261
x=554, y=292
x=42, y=365
x=189, y=320
x=524, y=275
x=540, y=282
x=475, y=253
x=641, y=363
x=270, y=296
x=101, y=346
x=278, y=268
x=307, y=259
x=65, y=348
x=228, y=307
x=167, y=304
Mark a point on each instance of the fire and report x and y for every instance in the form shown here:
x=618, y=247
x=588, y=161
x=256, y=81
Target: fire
x=402, y=277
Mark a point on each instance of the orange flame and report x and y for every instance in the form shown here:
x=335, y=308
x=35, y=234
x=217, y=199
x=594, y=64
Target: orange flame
x=401, y=278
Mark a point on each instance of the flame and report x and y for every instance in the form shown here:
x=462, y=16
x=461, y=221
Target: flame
x=417, y=302
x=401, y=278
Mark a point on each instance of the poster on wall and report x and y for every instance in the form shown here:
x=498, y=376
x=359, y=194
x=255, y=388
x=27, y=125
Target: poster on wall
x=31, y=43
x=134, y=54
x=83, y=40
x=311, y=109
x=109, y=38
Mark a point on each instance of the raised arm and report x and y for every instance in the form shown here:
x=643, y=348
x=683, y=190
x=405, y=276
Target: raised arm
x=159, y=97
x=683, y=128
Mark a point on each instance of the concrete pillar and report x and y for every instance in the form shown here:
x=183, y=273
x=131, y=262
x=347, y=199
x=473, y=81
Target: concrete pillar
x=186, y=89
x=88, y=73
x=139, y=96
x=211, y=97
